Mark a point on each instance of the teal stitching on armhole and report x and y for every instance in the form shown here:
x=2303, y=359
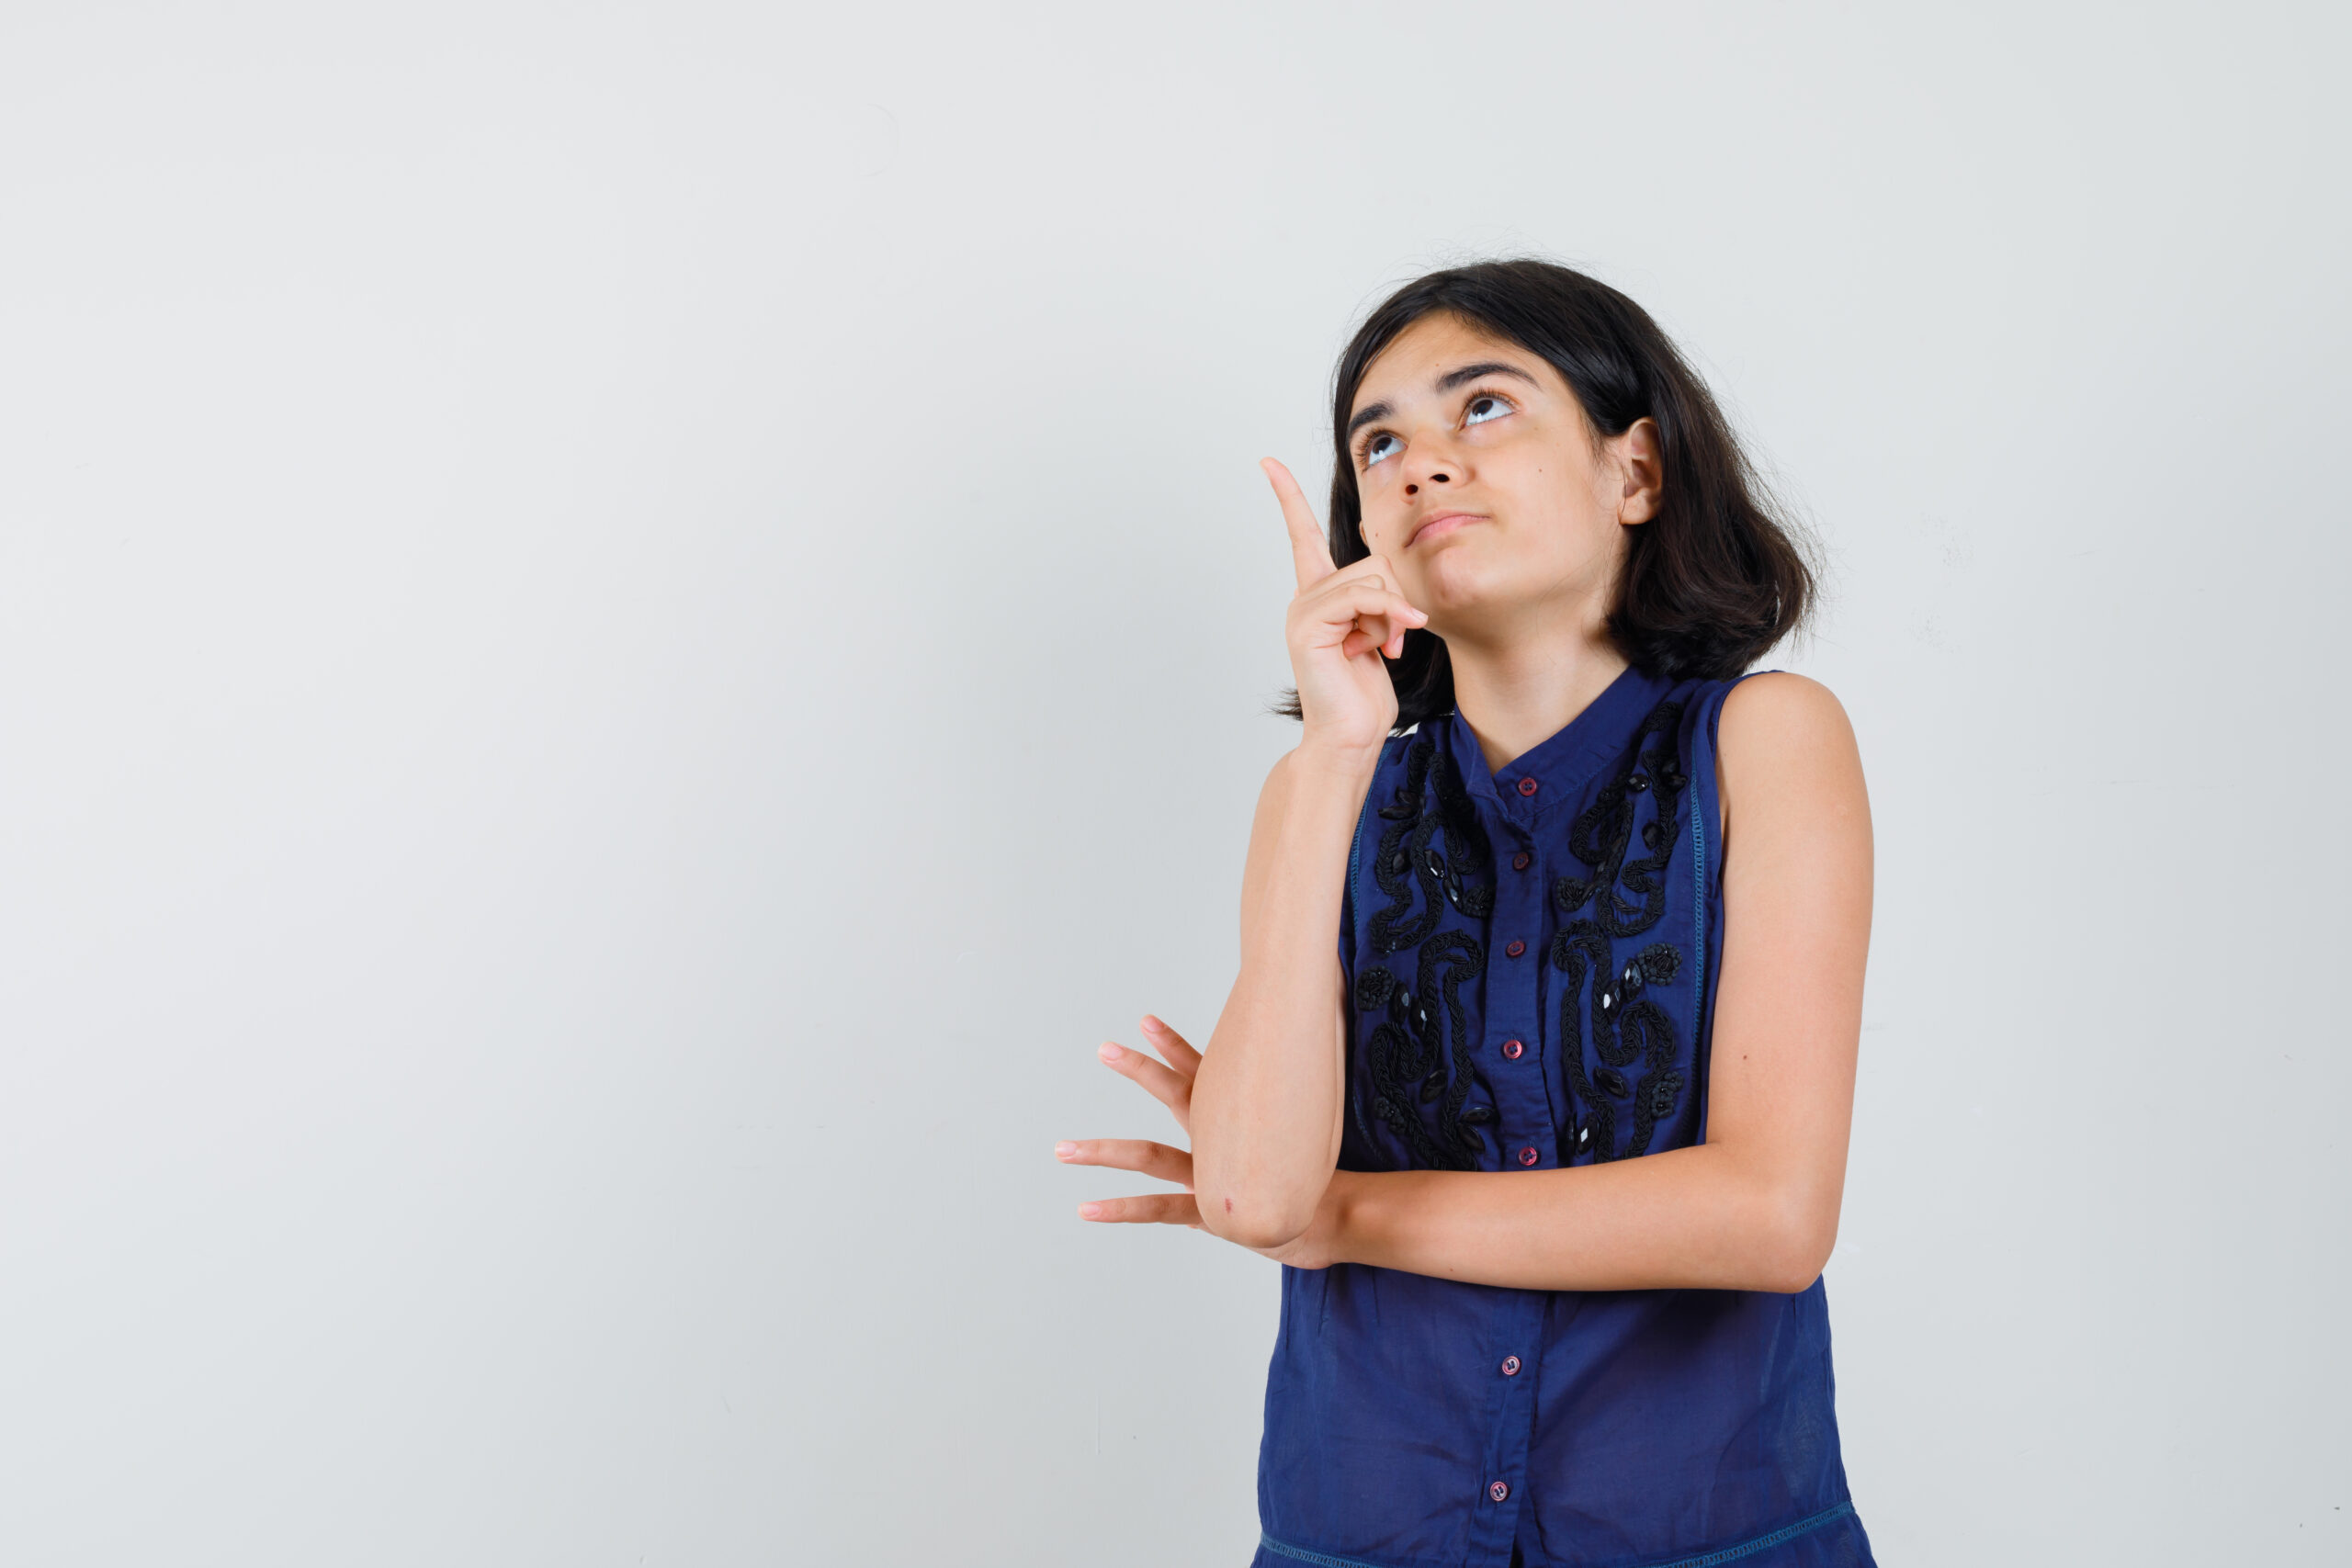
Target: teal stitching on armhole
x=1355, y=846
x=1698, y=879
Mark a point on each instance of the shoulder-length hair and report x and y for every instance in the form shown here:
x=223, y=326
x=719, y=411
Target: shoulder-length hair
x=1716, y=577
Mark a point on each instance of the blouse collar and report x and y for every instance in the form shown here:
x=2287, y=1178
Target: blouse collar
x=1556, y=770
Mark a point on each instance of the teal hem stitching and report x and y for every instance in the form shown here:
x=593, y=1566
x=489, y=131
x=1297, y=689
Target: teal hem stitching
x=1749, y=1548
x=1728, y=1554
x=1285, y=1549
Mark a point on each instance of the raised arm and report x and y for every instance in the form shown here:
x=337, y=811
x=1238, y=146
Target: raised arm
x=1267, y=1101
x=1756, y=1206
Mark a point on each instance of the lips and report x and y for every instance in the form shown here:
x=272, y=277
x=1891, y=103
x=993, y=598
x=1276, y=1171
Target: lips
x=1442, y=524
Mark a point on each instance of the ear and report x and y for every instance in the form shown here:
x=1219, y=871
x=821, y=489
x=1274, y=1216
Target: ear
x=1641, y=472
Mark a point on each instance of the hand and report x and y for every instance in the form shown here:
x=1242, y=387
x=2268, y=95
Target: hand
x=1342, y=627
x=1172, y=1085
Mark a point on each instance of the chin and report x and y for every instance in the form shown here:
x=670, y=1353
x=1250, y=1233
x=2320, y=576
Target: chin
x=1455, y=576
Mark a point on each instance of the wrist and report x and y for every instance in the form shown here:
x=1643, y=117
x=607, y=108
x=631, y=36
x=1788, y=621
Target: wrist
x=1344, y=760
x=1341, y=1202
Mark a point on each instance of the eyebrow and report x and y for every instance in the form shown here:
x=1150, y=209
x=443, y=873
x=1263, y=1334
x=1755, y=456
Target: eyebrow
x=1445, y=383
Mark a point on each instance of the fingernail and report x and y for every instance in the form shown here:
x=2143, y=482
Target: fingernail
x=1110, y=1053
x=1088, y=1211
x=1152, y=1023
x=1064, y=1150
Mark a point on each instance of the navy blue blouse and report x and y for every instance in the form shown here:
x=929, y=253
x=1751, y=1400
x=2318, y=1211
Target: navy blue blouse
x=1530, y=958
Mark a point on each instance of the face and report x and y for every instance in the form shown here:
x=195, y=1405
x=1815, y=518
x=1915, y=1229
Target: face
x=1484, y=483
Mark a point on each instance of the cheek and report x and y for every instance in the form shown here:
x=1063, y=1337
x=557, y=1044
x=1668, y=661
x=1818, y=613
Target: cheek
x=1380, y=525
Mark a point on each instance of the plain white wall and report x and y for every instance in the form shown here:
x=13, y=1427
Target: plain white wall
x=626, y=631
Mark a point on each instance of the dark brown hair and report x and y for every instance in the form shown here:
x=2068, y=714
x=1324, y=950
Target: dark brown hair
x=1710, y=583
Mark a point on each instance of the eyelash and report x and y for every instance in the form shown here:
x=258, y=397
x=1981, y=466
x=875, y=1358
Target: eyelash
x=1363, y=442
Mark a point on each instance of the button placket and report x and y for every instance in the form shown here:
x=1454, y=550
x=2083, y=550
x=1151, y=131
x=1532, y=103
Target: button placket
x=1522, y=1099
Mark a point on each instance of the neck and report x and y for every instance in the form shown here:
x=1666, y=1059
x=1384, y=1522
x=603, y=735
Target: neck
x=1518, y=693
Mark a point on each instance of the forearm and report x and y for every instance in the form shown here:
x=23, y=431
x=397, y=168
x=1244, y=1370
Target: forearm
x=1703, y=1217
x=1266, y=1103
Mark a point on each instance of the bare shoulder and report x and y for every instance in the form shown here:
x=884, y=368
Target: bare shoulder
x=1780, y=703
x=1785, y=747
x=1270, y=795
x=1265, y=831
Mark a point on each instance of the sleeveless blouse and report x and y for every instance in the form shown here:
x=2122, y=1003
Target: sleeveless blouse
x=1530, y=959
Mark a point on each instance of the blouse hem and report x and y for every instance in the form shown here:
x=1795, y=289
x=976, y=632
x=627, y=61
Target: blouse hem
x=1284, y=1552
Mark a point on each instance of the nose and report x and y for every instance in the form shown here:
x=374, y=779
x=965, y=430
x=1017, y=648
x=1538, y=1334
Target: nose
x=1429, y=460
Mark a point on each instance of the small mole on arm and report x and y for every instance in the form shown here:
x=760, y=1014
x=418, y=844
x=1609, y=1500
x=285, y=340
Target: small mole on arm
x=1229, y=1205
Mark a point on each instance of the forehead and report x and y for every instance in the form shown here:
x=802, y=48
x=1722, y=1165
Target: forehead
x=1436, y=343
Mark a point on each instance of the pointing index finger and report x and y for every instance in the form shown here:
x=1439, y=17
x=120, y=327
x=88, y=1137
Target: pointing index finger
x=1309, y=552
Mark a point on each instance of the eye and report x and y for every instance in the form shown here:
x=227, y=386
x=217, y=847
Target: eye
x=1379, y=447
x=1484, y=407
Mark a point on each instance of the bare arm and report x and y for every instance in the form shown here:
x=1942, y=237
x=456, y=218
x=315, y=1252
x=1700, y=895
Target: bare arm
x=1756, y=1206
x=1267, y=1099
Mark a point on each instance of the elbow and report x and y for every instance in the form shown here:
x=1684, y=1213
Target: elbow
x=1254, y=1214
x=1791, y=1270
x=1260, y=1222
x=1249, y=1200
x=1797, y=1241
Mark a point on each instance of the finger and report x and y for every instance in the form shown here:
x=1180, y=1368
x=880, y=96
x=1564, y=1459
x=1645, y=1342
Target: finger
x=1139, y=1155
x=1154, y=1209
x=1310, y=553
x=1340, y=586
x=1170, y=1089
x=1363, y=641
x=1173, y=1047
x=1326, y=616
x=1353, y=588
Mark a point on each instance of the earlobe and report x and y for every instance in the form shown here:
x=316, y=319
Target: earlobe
x=1644, y=472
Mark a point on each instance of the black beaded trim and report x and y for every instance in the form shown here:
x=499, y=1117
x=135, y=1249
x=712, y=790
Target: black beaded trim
x=1408, y=1061
x=1431, y=800
x=1604, y=997
x=1601, y=835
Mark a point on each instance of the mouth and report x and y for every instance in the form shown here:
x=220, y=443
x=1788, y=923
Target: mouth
x=1438, y=527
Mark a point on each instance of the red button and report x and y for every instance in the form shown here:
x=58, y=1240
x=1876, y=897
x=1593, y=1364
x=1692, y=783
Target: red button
x=1516, y=948
x=1512, y=1048
x=1520, y=861
x=1526, y=786
x=1511, y=1366
x=1528, y=1155
x=1498, y=1490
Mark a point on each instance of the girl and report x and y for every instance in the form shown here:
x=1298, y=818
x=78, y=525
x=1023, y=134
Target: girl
x=1551, y=1150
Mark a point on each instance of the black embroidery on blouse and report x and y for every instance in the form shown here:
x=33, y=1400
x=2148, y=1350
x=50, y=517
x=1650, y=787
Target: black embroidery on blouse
x=1408, y=1061
x=1433, y=838
x=1580, y=951
x=1603, y=994
x=1601, y=835
x=1394, y=857
x=1472, y=854
x=1430, y=801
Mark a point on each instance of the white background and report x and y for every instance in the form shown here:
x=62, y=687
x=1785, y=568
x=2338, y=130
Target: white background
x=626, y=632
